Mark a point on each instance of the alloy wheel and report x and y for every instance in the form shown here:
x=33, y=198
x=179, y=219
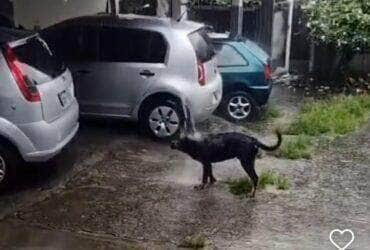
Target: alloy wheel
x=239, y=107
x=164, y=121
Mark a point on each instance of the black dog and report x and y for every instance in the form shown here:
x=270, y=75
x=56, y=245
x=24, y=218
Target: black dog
x=221, y=147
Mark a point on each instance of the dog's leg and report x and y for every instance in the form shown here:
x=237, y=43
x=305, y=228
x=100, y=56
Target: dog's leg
x=211, y=177
x=205, y=177
x=248, y=165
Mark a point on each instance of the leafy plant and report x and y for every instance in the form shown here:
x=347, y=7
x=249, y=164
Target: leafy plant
x=337, y=116
x=344, y=24
x=297, y=147
x=224, y=2
x=267, y=178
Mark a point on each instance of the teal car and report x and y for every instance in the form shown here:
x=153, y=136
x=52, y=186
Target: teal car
x=246, y=74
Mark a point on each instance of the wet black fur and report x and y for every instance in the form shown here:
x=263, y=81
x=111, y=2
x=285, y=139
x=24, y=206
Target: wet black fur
x=221, y=147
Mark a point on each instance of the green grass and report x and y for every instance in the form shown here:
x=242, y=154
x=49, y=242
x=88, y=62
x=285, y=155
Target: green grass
x=273, y=179
x=296, y=147
x=336, y=116
x=271, y=112
x=243, y=186
x=267, y=115
x=197, y=241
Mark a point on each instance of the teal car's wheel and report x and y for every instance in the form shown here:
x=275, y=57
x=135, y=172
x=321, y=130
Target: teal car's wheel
x=239, y=106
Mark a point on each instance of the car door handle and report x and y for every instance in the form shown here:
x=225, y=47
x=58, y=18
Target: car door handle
x=147, y=73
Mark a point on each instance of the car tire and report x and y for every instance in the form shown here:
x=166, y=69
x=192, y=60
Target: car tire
x=162, y=119
x=9, y=161
x=239, y=106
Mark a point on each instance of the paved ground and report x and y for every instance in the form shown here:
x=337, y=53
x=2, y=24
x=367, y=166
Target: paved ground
x=113, y=189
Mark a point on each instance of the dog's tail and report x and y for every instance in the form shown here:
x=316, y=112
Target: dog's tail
x=271, y=148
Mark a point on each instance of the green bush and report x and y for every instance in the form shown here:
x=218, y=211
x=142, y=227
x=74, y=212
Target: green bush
x=297, y=147
x=243, y=186
x=336, y=116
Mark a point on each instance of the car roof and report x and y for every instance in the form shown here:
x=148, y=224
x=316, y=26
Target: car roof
x=9, y=35
x=241, y=42
x=136, y=21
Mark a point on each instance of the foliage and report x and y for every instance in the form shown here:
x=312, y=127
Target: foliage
x=336, y=116
x=297, y=147
x=358, y=83
x=271, y=112
x=196, y=241
x=271, y=178
x=344, y=23
x=223, y=2
x=243, y=186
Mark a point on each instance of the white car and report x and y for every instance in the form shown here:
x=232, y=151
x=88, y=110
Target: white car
x=38, y=109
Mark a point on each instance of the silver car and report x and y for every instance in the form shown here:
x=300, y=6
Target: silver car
x=38, y=110
x=140, y=68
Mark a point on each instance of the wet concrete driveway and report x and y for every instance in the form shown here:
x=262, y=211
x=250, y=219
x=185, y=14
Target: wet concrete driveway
x=114, y=189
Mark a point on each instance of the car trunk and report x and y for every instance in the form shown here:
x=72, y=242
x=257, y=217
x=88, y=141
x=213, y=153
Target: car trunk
x=44, y=74
x=205, y=53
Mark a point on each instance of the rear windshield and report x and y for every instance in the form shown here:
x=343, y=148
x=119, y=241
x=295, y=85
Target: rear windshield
x=202, y=45
x=37, y=61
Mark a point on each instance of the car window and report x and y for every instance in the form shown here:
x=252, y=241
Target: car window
x=228, y=56
x=74, y=43
x=89, y=43
x=203, y=47
x=119, y=44
x=37, y=60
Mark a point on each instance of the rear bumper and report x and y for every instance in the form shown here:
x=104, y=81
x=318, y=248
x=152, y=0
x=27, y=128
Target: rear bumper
x=261, y=94
x=205, y=100
x=49, y=139
x=42, y=156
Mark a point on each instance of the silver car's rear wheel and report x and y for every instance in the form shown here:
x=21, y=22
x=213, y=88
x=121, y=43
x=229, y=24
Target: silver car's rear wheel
x=164, y=121
x=239, y=107
x=2, y=169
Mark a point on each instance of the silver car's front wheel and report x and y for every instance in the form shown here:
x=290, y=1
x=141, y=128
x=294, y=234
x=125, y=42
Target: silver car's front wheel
x=164, y=121
x=162, y=118
x=2, y=169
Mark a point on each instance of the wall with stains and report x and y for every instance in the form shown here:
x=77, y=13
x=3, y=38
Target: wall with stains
x=43, y=13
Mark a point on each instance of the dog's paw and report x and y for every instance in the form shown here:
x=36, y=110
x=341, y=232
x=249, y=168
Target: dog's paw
x=199, y=187
x=251, y=196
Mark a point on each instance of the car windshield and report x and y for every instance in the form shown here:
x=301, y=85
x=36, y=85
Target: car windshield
x=38, y=61
x=202, y=45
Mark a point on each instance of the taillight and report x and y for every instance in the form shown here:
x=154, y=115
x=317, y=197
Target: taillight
x=267, y=72
x=25, y=85
x=201, y=74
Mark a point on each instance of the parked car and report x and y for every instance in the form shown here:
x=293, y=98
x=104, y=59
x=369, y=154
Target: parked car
x=38, y=110
x=140, y=68
x=246, y=75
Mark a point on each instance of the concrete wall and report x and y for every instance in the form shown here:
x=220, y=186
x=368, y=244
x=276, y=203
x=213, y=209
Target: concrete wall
x=43, y=13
